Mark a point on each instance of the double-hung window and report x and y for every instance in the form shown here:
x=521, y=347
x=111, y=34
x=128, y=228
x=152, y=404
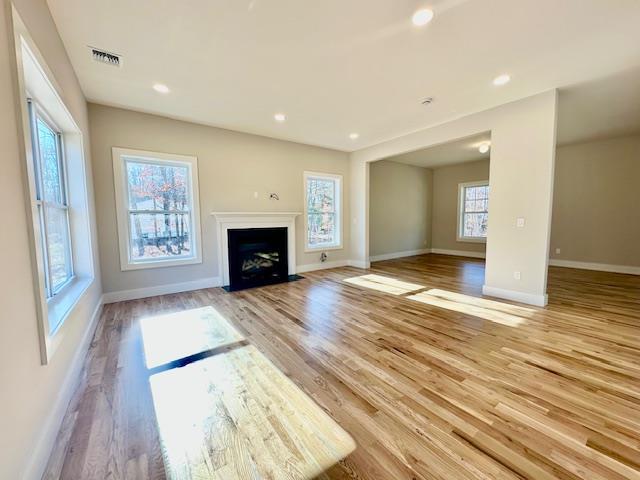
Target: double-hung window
x=157, y=209
x=323, y=207
x=59, y=216
x=473, y=211
x=51, y=200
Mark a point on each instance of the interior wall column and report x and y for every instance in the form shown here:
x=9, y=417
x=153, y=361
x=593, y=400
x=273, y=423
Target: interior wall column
x=359, y=209
x=523, y=138
x=523, y=145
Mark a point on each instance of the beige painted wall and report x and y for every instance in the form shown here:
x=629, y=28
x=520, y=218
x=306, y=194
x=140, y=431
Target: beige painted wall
x=32, y=400
x=400, y=197
x=596, y=200
x=445, y=204
x=594, y=203
x=231, y=166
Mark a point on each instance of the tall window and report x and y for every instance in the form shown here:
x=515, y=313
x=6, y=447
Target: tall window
x=473, y=215
x=59, y=219
x=323, y=206
x=51, y=200
x=157, y=209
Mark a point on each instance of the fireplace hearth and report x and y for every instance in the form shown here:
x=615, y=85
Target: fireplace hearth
x=257, y=256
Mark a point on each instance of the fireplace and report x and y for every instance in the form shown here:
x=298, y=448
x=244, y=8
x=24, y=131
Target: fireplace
x=255, y=221
x=257, y=256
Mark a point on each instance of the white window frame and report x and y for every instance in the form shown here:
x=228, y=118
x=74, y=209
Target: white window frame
x=461, y=211
x=338, y=211
x=36, y=112
x=37, y=86
x=120, y=156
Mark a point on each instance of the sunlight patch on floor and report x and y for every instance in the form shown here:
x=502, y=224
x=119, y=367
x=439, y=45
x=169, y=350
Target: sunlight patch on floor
x=174, y=336
x=384, y=284
x=482, y=302
x=497, y=312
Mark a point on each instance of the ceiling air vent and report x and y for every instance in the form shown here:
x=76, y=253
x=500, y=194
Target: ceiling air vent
x=106, y=57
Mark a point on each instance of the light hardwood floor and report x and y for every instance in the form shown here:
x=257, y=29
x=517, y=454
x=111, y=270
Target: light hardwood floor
x=426, y=391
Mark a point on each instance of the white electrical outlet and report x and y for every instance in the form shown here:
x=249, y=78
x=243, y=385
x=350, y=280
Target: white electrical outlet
x=520, y=222
x=255, y=194
x=557, y=251
x=516, y=275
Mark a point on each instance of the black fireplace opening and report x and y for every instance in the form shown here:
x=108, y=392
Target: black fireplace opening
x=257, y=256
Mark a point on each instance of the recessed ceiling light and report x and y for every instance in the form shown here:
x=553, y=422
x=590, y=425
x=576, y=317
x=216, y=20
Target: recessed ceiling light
x=161, y=88
x=484, y=148
x=280, y=117
x=501, y=80
x=422, y=17
x=354, y=136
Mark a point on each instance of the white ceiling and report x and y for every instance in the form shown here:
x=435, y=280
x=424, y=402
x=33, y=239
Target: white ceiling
x=336, y=67
x=600, y=108
x=456, y=151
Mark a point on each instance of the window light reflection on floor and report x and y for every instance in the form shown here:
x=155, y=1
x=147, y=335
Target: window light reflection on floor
x=174, y=336
x=384, y=284
x=497, y=312
x=482, y=302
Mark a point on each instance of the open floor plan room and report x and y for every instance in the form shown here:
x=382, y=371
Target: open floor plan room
x=293, y=240
x=426, y=391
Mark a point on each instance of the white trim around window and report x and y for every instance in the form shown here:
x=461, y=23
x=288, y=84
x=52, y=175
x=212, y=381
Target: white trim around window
x=336, y=244
x=462, y=187
x=124, y=211
x=60, y=237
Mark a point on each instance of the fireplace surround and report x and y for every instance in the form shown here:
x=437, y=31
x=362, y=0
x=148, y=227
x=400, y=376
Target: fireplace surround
x=227, y=221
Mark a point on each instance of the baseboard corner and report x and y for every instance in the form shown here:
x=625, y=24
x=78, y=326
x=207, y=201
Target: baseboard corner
x=394, y=255
x=366, y=264
x=458, y=253
x=538, y=300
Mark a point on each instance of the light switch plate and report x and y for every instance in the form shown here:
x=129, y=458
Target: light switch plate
x=520, y=222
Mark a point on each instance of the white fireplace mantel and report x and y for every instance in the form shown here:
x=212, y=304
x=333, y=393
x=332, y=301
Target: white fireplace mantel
x=231, y=220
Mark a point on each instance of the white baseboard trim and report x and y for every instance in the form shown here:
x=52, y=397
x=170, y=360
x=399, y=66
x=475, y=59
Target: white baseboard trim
x=39, y=458
x=310, y=267
x=407, y=253
x=601, y=267
x=136, y=293
x=522, y=297
x=458, y=253
x=360, y=263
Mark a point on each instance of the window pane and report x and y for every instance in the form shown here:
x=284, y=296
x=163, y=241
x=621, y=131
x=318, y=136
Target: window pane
x=57, y=242
x=469, y=193
x=320, y=195
x=475, y=224
x=49, y=163
x=160, y=236
x=322, y=229
x=157, y=187
x=469, y=205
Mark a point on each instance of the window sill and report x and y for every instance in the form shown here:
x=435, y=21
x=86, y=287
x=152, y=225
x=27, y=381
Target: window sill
x=61, y=306
x=160, y=263
x=321, y=248
x=472, y=239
